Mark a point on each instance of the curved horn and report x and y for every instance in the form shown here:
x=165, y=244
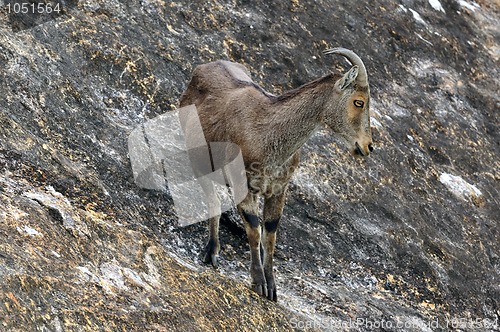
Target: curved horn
x=362, y=79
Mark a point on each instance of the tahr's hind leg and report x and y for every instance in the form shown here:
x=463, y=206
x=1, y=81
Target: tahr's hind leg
x=211, y=253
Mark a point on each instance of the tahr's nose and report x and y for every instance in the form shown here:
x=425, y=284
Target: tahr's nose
x=363, y=151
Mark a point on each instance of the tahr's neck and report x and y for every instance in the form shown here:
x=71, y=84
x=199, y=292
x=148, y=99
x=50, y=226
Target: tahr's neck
x=294, y=117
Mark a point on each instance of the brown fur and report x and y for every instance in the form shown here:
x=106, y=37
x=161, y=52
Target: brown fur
x=270, y=130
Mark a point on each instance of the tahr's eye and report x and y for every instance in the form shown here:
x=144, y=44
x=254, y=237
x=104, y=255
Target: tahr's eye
x=358, y=103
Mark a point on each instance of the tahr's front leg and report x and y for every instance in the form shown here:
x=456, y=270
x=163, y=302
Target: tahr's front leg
x=249, y=212
x=273, y=210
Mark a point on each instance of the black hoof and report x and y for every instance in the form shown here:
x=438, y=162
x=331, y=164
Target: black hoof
x=211, y=254
x=271, y=294
x=259, y=289
x=263, y=286
x=267, y=292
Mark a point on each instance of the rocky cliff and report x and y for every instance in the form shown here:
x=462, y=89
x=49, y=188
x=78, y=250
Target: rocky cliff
x=405, y=239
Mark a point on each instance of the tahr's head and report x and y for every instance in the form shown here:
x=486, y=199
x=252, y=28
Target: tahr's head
x=351, y=105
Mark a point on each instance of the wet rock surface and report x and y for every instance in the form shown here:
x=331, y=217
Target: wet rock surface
x=407, y=236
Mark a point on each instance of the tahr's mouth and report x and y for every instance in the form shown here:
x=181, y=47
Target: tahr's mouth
x=358, y=151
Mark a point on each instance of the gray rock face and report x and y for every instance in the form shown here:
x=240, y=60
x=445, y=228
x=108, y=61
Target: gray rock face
x=405, y=239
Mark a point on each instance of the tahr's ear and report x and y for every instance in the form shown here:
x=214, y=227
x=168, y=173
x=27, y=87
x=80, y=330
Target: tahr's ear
x=348, y=78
